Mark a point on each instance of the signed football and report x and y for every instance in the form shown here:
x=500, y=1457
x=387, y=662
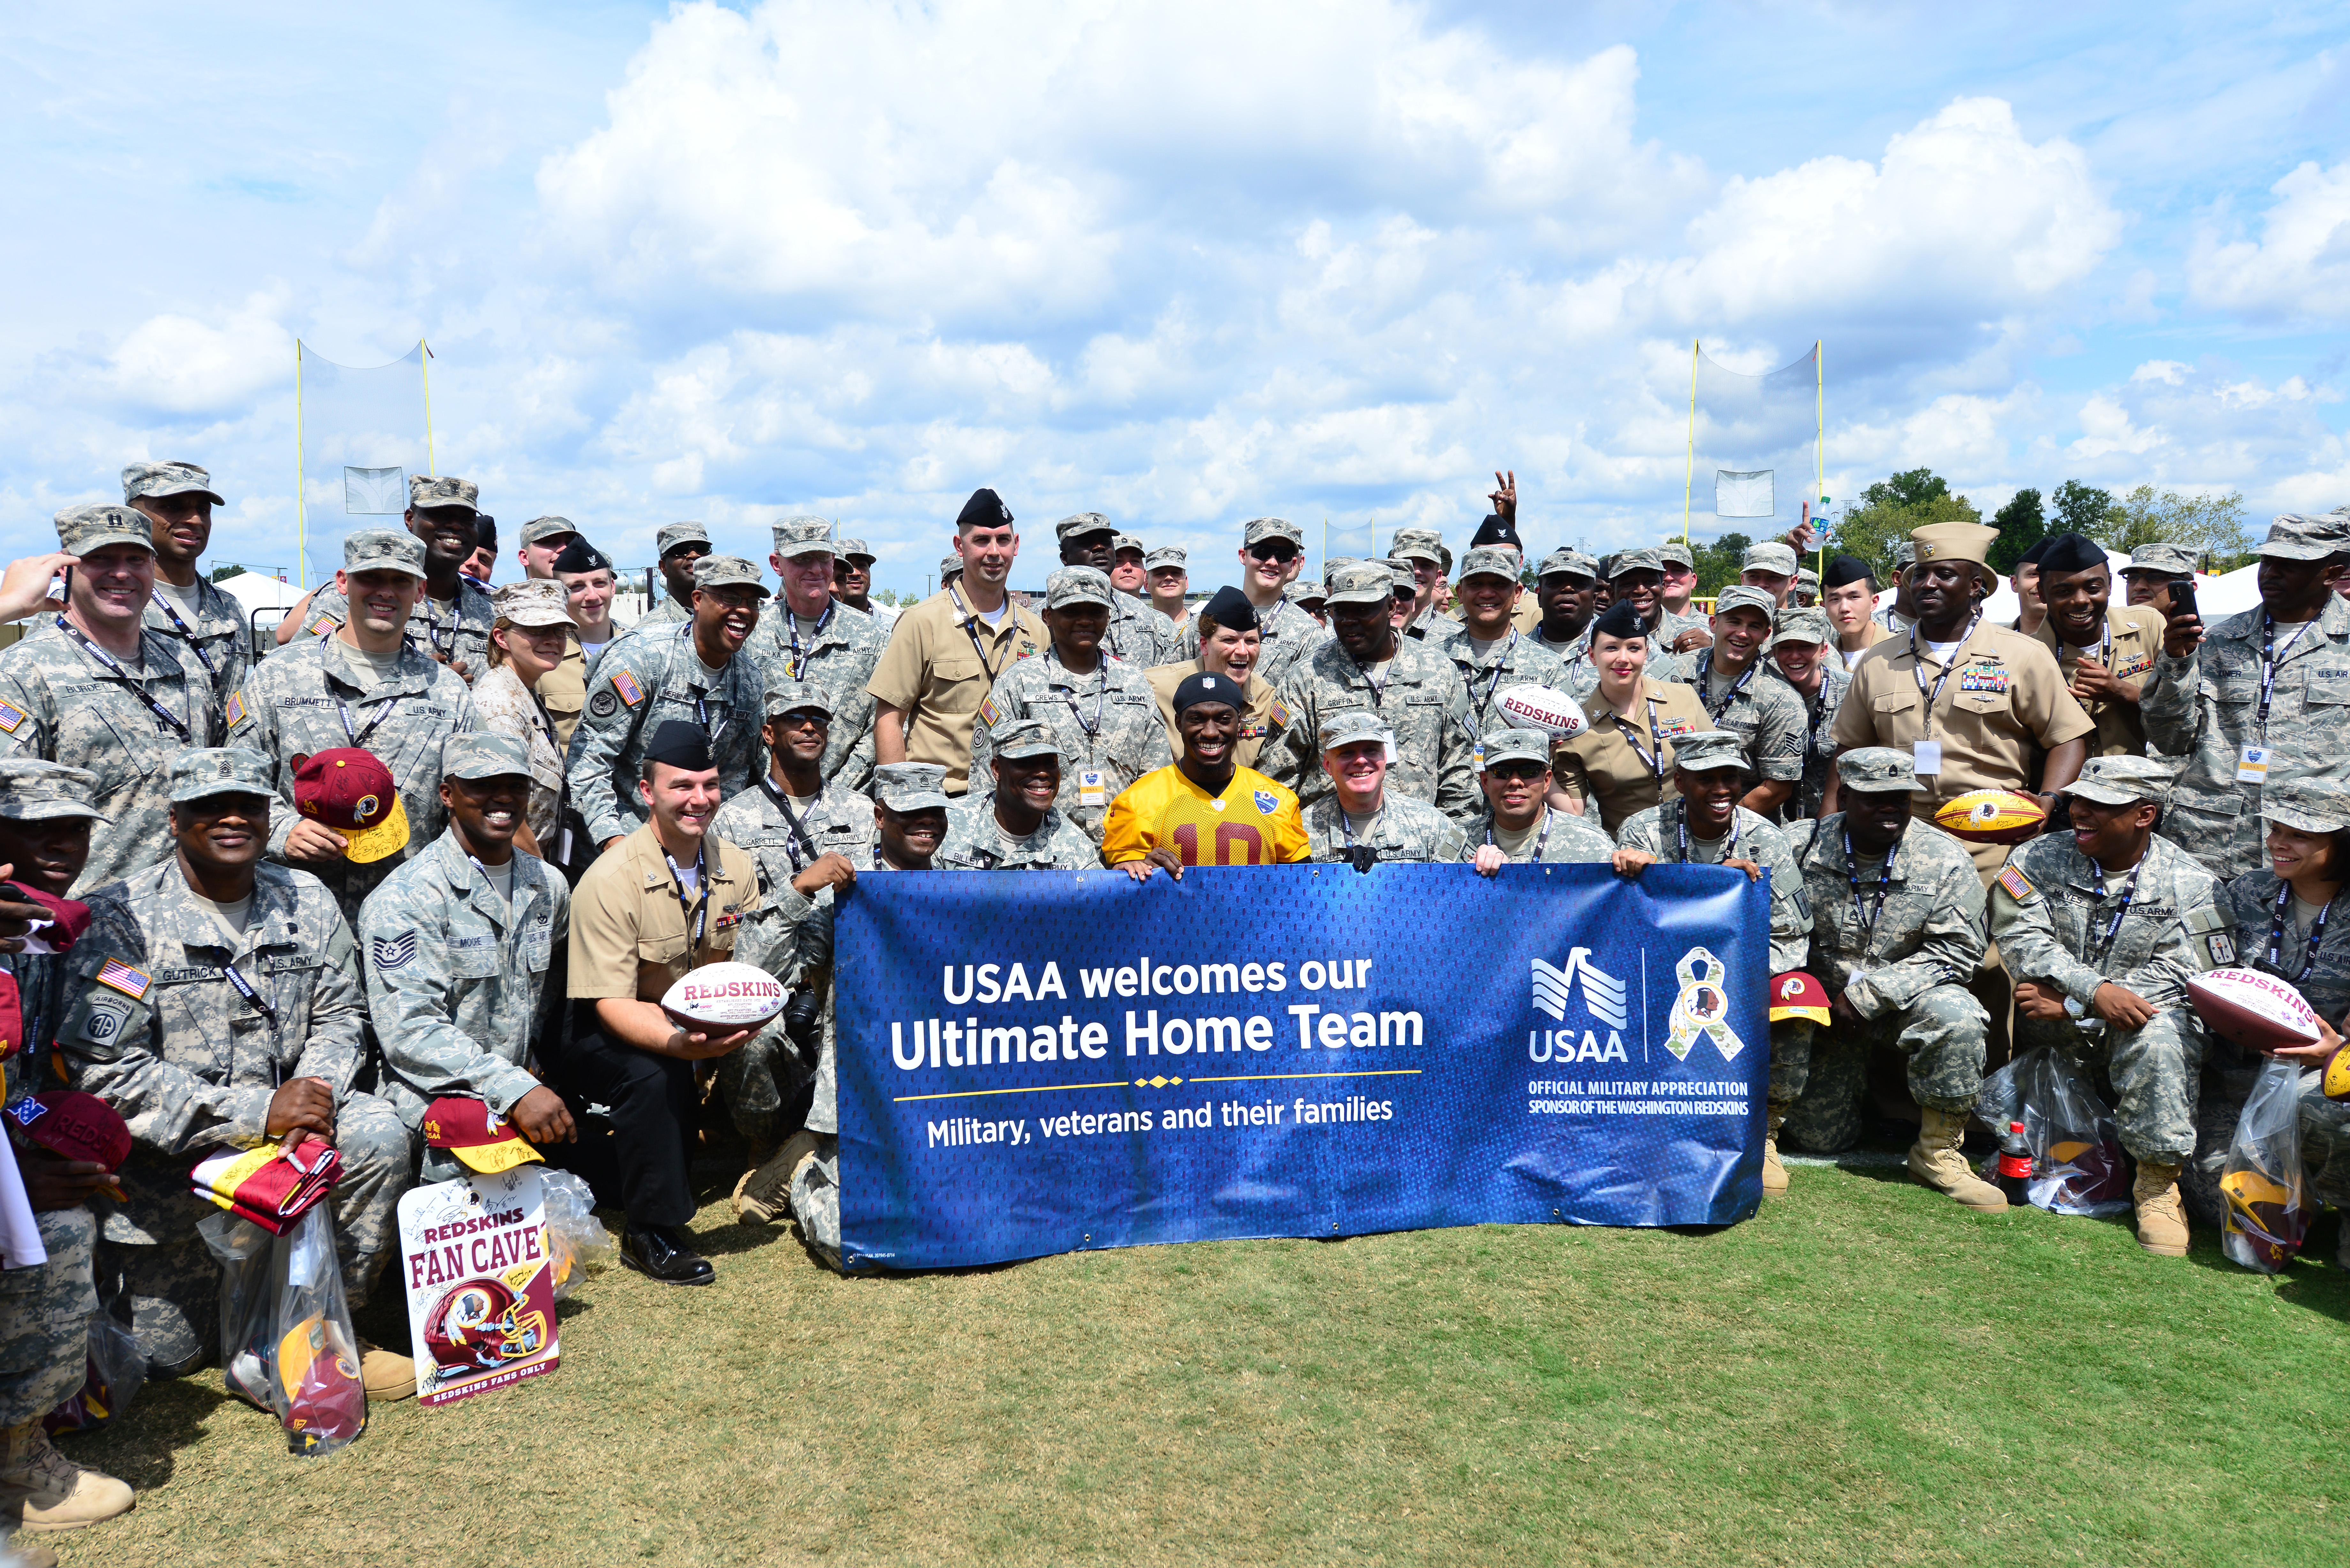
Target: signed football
x=2258, y=1011
x=1532, y=707
x=1991, y=816
x=725, y=996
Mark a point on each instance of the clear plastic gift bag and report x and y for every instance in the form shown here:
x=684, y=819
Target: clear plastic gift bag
x=2078, y=1165
x=245, y=1252
x=576, y=1240
x=314, y=1384
x=2268, y=1212
x=116, y=1370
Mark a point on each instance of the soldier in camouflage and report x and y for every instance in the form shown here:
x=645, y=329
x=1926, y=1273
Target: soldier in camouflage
x=1270, y=554
x=1518, y=828
x=1734, y=680
x=1492, y=654
x=1015, y=825
x=2260, y=699
x=1417, y=694
x=677, y=546
x=1680, y=629
x=1633, y=577
x=458, y=943
x=1800, y=655
x=1769, y=565
x=695, y=673
x=1099, y=710
x=1360, y=819
x=2101, y=929
x=1423, y=554
x=804, y=636
x=362, y=685
x=1897, y=930
x=177, y=499
x=1138, y=634
x=1567, y=586
x=219, y=1004
x=451, y=617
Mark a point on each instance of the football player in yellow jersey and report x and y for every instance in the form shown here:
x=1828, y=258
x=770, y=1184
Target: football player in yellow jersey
x=1206, y=809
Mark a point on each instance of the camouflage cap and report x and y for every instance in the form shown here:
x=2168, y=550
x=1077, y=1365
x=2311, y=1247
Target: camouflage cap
x=485, y=754
x=539, y=530
x=1490, y=561
x=208, y=771
x=1879, y=770
x=1514, y=745
x=32, y=790
x=82, y=529
x=1770, y=556
x=950, y=567
x=1673, y=553
x=1167, y=557
x=1564, y=562
x=2168, y=560
x=1079, y=525
x=1306, y=591
x=1400, y=570
x=168, y=479
x=1078, y=585
x=797, y=537
x=1739, y=596
x=426, y=490
x=1024, y=738
x=1334, y=564
x=1417, y=545
x=910, y=786
x=1709, y=750
x=2295, y=537
x=383, y=550
x=1905, y=554
x=1349, y=725
x=1625, y=561
x=1801, y=623
x=1808, y=578
x=1361, y=583
x=785, y=696
x=536, y=601
x=2307, y=806
x=1259, y=529
x=1126, y=542
x=726, y=571
x=853, y=550
x=2121, y=780
x=667, y=542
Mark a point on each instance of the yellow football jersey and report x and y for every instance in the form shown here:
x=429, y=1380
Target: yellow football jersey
x=1255, y=822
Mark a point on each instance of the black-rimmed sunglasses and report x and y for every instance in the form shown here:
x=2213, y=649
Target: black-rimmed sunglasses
x=1280, y=550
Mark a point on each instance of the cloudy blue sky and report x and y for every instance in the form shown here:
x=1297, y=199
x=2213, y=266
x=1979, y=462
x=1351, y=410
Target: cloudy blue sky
x=1183, y=264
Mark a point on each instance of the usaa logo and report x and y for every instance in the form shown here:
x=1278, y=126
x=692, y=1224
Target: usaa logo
x=1604, y=998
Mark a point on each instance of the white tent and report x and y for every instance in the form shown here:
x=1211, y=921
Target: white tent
x=2215, y=598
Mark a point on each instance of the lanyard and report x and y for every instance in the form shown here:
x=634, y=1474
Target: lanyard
x=1918, y=673
x=1655, y=761
x=1868, y=914
x=2270, y=655
x=244, y=989
x=110, y=661
x=970, y=630
x=2105, y=648
x=1680, y=826
x=1093, y=730
x=1541, y=839
x=2102, y=946
x=1819, y=716
x=694, y=920
x=1705, y=680
x=433, y=624
x=2276, y=934
x=359, y=737
x=799, y=840
x=701, y=698
x=165, y=605
x=797, y=661
x=1363, y=856
x=1500, y=662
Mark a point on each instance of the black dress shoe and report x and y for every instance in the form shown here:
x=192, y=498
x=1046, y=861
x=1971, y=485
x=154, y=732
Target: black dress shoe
x=660, y=1253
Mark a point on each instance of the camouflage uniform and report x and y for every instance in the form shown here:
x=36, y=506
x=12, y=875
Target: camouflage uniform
x=672, y=610
x=1807, y=625
x=220, y=633
x=1287, y=634
x=1561, y=838
x=459, y=637
x=975, y=842
x=839, y=655
x=1763, y=713
x=1405, y=829
x=2205, y=707
x=1491, y=667
x=192, y=1065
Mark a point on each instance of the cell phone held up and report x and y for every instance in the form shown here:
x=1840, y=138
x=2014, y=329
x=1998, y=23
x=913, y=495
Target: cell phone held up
x=2182, y=600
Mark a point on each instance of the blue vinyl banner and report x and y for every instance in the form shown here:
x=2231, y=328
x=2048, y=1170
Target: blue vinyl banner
x=1039, y=1062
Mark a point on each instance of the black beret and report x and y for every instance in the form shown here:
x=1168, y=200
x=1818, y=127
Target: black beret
x=1497, y=529
x=486, y=531
x=579, y=556
x=1209, y=687
x=1231, y=609
x=2070, y=552
x=1621, y=620
x=2033, y=557
x=1845, y=569
x=985, y=509
x=680, y=745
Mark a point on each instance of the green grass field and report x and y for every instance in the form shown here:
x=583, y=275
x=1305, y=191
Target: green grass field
x=1862, y=1374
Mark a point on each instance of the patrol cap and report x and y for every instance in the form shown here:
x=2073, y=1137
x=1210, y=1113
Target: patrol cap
x=1799, y=623
x=1808, y=578
x=485, y=754
x=73, y=1125
x=435, y=490
x=2164, y=560
x=797, y=537
x=539, y=530
x=1417, y=545
x=82, y=529
x=679, y=745
x=1770, y=556
x=1742, y=595
x=1362, y=583
x=985, y=509
x=1349, y=725
x=1488, y=561
x=1400, y=570
x=1905, y=554
x=790, y=696
x=579, y=556
x=1673, y=553
x=1515, y=746
x=950, y=567
x=168, y=479
x=350, y=791
x=1564, y=562
x=1968, y=542
x=1259, y=529
x=383, y=550
x=1708, y=751
x=1207, y=686
x=1126, y=542
x=1078, y=585
x=726, y=571
x=2307, y=806
x=1877, y=769
x=539, y=601
x=483, y=1142
x=1330, y=568
x=1303, y=592
x=853, y=550
x=1635, y=561
x=2295, y=537
x=910, y=786
x=677, y=535
x=1167, y=556
x=1024, y=738
x=33, y=790
x=208, y=771
x=2121, y=780
x=1081, y=525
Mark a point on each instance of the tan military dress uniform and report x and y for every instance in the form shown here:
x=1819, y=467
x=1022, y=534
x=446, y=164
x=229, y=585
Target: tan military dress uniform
x=941, y=662
x=629, y=934
x=1262, y=718
x=564, y=690
x=2135, y=642
x=1602, y=765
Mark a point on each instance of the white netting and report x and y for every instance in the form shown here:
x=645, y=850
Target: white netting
x=363, y=434
x=1756, y=442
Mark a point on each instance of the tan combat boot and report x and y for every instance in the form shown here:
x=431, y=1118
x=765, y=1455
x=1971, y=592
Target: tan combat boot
x=1774, y=1175
x=764, y=1196
x=40, y=1489
x=2161, y=1219
x=1935, y=1160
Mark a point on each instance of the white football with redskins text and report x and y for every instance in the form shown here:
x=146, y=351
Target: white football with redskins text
x=725, y=997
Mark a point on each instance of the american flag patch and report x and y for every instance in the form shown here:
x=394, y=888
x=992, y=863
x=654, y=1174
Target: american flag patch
x=235, y=707
x=990, y=714
x=130, y=982
x=324, y=624
x=626, y=685
x=2018, y=888
x=1280, y=713
x=10, y=717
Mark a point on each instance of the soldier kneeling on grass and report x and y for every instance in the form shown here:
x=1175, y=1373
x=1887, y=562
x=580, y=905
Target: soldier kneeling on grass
x=1897, y=929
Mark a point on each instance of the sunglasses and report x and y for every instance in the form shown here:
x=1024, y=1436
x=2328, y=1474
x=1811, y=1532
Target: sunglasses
x=1514, y=771
x=1280, y=550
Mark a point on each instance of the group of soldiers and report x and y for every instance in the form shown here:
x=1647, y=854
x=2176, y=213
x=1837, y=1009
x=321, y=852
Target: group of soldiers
x=450, y=843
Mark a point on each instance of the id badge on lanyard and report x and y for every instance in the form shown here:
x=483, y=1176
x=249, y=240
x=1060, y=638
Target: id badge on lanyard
x=2252, y=764
x=1927, y=755
x=1093, y=787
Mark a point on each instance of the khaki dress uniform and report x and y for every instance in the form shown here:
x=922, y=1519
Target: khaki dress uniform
x=2131, y=643
x=943, y=660
x=564, y=691
x=1604, y=765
